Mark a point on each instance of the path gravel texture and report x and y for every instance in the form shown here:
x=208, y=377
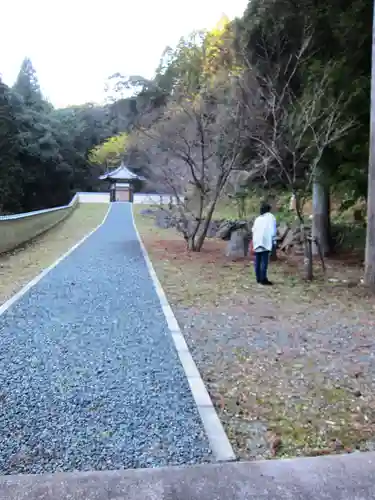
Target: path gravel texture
x=302, y=372
x=89, y=376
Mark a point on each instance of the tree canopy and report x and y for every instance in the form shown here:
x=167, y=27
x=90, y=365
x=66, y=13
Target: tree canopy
x=44, y=152
x=267, y=39
x=47, y=154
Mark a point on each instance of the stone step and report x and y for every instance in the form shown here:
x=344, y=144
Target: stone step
x=345, y=477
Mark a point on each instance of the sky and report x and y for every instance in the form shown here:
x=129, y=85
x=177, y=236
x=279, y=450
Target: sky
x=75, y=45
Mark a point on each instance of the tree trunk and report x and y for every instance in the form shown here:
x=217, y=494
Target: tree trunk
x=308, y=259
x=321, y=215
x=201, y=236
x=307, y=244
x=370, y=237
x=190, y=244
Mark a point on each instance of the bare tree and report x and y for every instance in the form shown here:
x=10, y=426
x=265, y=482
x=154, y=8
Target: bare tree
x=197, y=142
x=299, y=126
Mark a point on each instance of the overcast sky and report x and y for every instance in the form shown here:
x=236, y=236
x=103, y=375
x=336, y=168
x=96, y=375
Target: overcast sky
x=76, y=44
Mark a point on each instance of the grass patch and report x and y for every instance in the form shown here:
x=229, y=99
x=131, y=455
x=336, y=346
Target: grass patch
x=194, y=279
x=18, y=267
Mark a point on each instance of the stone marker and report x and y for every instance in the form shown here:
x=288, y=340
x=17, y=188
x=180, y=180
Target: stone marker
x=238, y=245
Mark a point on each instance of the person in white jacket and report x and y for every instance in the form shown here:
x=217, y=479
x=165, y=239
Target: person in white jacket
x=264, y=238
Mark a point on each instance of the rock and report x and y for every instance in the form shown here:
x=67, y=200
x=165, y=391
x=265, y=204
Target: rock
x=224, y=230
x=241, y=224
x=288, y=240
x=370, y=445
x=292, y=238
x=282, y=231
x=238, y=245
x=357, y=393
x=163, y=219
x=275, y=445
x=148, y=211
x=256, y=442
x=184, y=225
x=166, y=219
x=337, y=445
x=227, y=227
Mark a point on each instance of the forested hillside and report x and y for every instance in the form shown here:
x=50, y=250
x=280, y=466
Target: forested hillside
x=43, y=150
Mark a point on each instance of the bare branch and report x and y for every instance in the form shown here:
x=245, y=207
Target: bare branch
x=195, y=144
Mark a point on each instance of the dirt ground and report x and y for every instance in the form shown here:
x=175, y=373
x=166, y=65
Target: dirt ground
x=291, y=368
x=20, y=266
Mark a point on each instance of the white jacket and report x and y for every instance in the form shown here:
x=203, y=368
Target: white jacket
x=264, y=231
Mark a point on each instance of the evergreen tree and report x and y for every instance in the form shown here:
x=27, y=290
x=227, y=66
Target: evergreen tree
x=27, y=86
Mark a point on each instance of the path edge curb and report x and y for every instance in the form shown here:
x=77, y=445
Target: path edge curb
x=217, y=437
x=18, y=295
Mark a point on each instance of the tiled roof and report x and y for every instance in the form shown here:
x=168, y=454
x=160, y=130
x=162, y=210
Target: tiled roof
x=122, y=173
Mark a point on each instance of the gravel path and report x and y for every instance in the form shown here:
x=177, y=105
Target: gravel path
x=89, y=376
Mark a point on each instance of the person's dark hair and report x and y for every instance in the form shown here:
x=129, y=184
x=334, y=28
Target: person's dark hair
x=265, y=208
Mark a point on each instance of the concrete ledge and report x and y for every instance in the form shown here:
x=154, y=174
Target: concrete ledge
x=346, y=477
x=20, y=228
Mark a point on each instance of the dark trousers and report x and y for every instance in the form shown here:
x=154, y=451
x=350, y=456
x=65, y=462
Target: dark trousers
x=261, y=265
